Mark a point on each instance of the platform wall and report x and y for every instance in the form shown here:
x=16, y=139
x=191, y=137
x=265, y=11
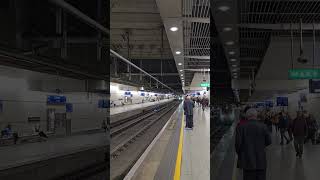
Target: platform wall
x=19, y=102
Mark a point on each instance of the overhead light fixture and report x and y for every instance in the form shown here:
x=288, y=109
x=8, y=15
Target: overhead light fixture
x=234, y=70
x=232, y=52
x=226, y=29
x=180, y=64
x=234, y=65
x=229, y=43
x=181, y=75
x=178, y=52
x=174, y=29
x=233, y=60
x=223, y=8
x=181, y=70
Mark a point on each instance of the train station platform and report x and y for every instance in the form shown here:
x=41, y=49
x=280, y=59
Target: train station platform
x=24, y=154
x=131, y=107
x=177, y=152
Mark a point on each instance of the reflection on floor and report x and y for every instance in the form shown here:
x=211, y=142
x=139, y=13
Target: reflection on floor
x=196, y=148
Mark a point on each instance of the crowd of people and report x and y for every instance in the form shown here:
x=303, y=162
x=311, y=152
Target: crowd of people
x=201, y=101
x=253, y=135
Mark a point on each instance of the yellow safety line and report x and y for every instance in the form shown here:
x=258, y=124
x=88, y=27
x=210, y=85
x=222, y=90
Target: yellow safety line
x=234, y=173
x=177, y=171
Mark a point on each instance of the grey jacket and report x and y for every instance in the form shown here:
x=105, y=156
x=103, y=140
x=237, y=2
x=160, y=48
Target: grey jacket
x=252, y=138
x=188, y=106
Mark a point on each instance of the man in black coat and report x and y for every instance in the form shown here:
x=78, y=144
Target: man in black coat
x=252, y=138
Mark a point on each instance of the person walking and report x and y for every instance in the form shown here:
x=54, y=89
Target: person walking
x=312, y=129
x=252, y=138
x=290, y=122
x=188, y=106
x=299, y=130
x=283, y=125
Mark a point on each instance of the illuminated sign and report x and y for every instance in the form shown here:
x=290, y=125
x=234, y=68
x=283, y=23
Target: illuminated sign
x=205, y=85
x=304, y=74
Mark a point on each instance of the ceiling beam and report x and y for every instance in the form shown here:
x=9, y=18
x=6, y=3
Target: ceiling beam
x=280, y=26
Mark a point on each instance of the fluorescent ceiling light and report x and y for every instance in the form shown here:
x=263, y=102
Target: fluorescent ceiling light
x=227, y=29
x=179, y=64
x=233, y=60
x=232, y=52
x=181, y=74
x=178, y=52
x=229, y=43
x=223, y=8
x=174, y=29
x=181, y=70
x=234, y=70
x=234, y=65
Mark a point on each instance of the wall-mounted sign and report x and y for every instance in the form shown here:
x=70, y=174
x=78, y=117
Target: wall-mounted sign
x=282, y=101
x=205, y=85
x=260, y=104
x=198, y=93
x=314, y=86
x=269, y=104
x=127, y=93
x=56, y=99
x=69, y=107
x=304, y=74
x=142, y=94
x=33, y=119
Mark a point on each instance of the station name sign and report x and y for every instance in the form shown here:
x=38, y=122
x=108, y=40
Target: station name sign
x=205, y=85
x=304, y=74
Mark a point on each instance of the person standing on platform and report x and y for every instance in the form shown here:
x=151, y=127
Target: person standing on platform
x=252, y=138
x=188, y=106
x=299, y=130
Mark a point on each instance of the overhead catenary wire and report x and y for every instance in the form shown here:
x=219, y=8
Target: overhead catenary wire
x=133, y=65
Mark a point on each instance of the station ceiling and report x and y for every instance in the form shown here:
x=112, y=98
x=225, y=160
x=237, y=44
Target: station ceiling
x=138, y=34
x=245, y=28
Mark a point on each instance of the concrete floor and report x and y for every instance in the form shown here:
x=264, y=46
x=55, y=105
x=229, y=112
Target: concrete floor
x=196, y=148
x=283, y=164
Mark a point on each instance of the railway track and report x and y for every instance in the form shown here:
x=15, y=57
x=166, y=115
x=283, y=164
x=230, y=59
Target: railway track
x=133, y=135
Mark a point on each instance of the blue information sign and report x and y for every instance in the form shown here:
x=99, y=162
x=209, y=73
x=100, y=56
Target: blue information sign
x=56, y=99
x=127, y=93
x=69, y=107
x=314, y=86
x=269, y=104
x=142, y=94
x=282, y=101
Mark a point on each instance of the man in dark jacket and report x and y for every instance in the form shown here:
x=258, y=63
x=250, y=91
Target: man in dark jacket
x=299, y=130
x=188, y=106
x=251, y=140
x=283, y=125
